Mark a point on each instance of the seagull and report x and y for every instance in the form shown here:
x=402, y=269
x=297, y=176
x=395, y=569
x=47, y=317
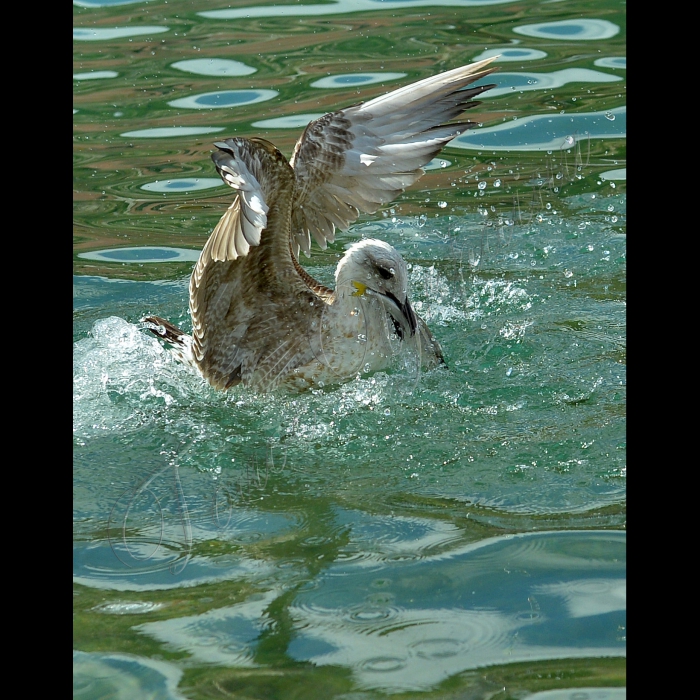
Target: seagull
x=258, y=318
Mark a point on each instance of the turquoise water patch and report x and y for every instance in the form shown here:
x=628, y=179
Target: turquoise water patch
x=339, y=7
x=224, y=98
x=617, y=174
x=549, y=595
x=587, y=693
x=349, y=79
x=227, y=636
x=213, y=66
x=184, y=184
x=170, y=131
x=546, y=132
x=95, y=75
x=507, y=83
x=437, y=163
x=105, y=3
x=571, y=29
x=519, y=54
x=294, y=121
x=142, y=254
x=611, y=62
x=118, y=676
x=102, y=34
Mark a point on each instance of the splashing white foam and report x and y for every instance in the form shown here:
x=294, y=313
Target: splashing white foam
x=120, y=376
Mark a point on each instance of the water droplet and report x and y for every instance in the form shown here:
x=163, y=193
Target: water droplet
x=568, y=273
x=496, y=183
x=482, y=185
x=442, y=205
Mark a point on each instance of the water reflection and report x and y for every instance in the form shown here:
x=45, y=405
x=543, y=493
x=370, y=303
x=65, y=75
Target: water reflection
x=293, y=121
x=507, y=83
x=407, y=623
x=545, y=132
x=493, y=604
x=141, y=565
x=436, y=163
x=571, y=29
x=581, y=694
x=611, y=62
x=170, y=131
x=104, y=33
x=106, y=3
x=214, y=66
x=347, y=79
x=518, y=54
x=95, y=75
x=142, y=254
x=226, y=636
x=183, y=184
x=616, y=174
x=123, y=677
x=340, y=7
x=224, y=98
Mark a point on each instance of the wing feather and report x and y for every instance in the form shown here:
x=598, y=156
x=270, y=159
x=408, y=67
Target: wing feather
x=245, y=283
x=361, y=157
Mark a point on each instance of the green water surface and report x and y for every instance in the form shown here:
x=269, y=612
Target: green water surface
x=443, y=534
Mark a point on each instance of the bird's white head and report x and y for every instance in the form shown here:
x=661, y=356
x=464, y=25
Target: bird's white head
x=373, y=268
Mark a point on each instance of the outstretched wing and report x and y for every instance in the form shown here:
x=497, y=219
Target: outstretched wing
x=358, y=158
x=246, y=296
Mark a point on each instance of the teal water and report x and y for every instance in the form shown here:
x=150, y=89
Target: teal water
x=450, y=533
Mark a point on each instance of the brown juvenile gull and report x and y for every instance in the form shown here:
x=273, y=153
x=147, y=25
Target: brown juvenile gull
x=258, y=318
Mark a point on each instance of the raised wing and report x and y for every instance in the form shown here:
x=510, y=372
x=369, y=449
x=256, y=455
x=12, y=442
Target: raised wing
x=246, y=295
x=358, y=158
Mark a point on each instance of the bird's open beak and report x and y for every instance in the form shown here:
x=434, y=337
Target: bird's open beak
x=403, y=314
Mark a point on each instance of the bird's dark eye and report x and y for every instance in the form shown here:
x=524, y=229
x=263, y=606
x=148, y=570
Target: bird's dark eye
x=386, y=274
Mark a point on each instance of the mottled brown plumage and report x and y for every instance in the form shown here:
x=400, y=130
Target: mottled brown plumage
x=258, y=317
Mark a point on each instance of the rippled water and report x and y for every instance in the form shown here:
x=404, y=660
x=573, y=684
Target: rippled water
x=424, y=533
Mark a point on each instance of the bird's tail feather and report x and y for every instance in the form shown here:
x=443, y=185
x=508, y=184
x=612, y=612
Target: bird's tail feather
x=180, y=341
